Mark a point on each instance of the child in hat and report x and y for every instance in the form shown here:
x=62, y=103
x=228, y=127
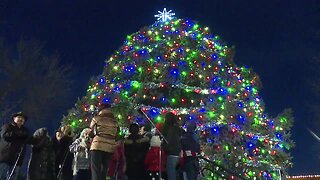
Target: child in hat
x=152, y=159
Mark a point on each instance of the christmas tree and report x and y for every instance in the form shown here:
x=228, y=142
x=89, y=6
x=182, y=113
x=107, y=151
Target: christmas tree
x=179, y=66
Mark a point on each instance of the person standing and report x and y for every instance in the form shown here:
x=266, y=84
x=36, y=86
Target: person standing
x=104, y=129
x=190, y=148
x=172, y=132
x=117, y=165
x=145, y=130
x=152, y=160
x=81, y=159
x=14, y=137
x=135, y=148
x=41, y=165
x=63, y=156
x=56, y=149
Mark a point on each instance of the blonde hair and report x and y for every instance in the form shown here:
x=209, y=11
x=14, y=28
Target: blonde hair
x=84, y=131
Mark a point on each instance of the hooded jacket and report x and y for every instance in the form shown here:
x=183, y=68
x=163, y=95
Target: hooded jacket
x=42, y=161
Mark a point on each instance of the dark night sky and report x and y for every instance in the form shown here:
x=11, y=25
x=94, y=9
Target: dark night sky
x=276, y=38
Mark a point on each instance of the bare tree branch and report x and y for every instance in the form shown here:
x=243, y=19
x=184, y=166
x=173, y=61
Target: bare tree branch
x=33, y=82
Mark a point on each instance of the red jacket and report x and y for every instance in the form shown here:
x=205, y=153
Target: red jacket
x=151, y=161
x=117, y=165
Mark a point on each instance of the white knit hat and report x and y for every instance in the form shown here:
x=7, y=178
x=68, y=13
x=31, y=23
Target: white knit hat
x=155, y=141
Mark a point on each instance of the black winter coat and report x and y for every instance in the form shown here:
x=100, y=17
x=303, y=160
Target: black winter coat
x=63, y=155
x=12, y=140
x=42, y=162
x=190, y=142
x=135, y=148
x=173, y=136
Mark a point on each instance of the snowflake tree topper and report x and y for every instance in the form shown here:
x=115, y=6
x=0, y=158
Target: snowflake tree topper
x=164, y=15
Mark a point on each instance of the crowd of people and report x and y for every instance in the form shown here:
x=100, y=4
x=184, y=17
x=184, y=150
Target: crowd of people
x=146, y=153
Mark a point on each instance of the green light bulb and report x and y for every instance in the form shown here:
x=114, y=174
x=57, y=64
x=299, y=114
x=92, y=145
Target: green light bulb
x=211, y=114
x=196, y=26
x=283, y=120
x=173, y=100
x=159, y=119
x=136, y=84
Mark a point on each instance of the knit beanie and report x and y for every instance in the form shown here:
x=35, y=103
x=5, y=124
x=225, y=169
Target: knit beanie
x=155, y=141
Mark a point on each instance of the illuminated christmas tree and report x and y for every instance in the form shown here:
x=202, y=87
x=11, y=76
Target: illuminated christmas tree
x=179, y=66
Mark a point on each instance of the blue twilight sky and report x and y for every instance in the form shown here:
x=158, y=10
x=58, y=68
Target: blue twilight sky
x=276, y=38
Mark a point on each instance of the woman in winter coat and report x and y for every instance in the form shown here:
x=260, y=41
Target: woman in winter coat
x=104, y=131
x=41, y=164
x=135, y=148
x=81, y=160
x=152, y=160
x=172, y=132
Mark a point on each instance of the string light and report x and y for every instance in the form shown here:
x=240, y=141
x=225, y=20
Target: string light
x=303, y=177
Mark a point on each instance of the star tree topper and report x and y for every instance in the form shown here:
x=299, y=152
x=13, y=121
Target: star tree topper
x=164, y=15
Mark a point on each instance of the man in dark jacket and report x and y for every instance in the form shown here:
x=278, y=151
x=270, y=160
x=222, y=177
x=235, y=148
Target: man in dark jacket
x=145, y=130
x=14, y=137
